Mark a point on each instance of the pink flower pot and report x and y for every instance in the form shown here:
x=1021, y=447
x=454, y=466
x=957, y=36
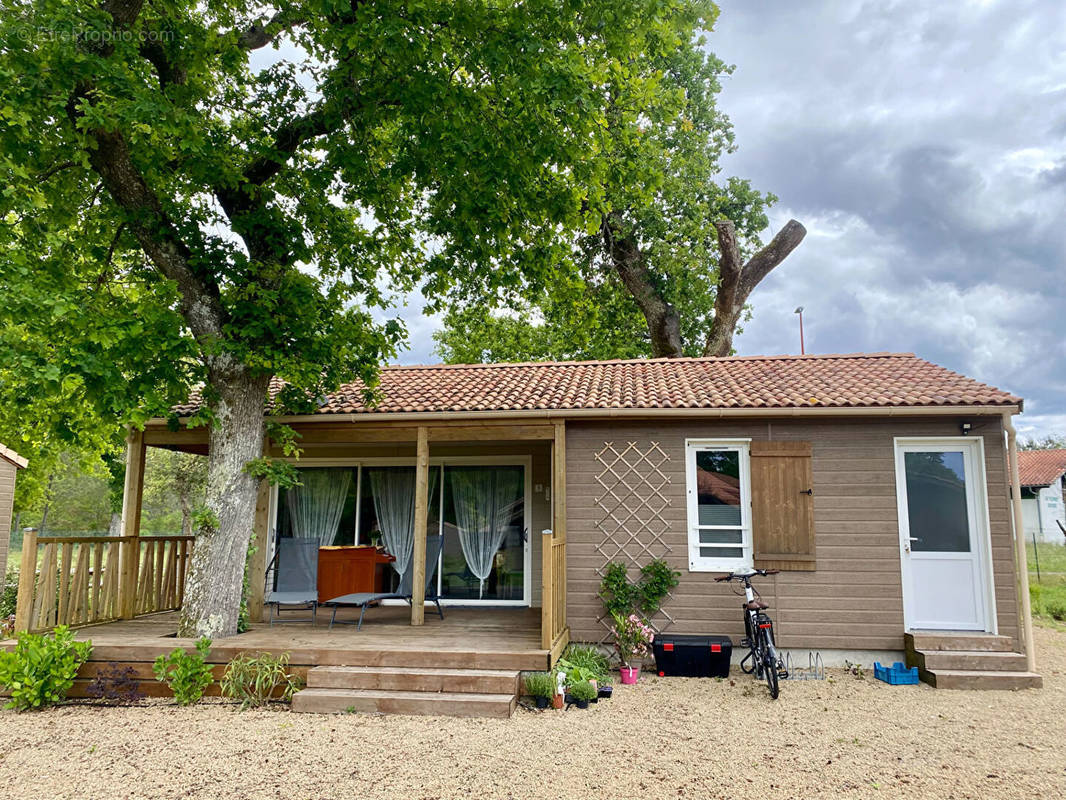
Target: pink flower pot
x=630, y=674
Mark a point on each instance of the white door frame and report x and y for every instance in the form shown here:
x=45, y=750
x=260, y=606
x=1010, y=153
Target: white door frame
x=973, y=450
x=524, y=461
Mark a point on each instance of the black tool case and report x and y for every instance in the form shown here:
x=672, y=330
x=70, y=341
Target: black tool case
x=692, y=656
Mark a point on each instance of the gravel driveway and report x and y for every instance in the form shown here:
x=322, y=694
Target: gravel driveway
x=665, y=738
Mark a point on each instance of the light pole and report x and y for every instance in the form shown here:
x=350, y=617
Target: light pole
x=800, y=312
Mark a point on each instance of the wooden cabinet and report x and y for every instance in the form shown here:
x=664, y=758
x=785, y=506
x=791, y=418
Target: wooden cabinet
x=345, y=570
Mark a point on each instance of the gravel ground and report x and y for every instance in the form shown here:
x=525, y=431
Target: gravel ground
x=844, y=737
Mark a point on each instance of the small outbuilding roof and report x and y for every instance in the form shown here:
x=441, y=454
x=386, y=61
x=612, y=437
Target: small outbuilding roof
x=859, y=380
x=10, y=455
x=1041, y=467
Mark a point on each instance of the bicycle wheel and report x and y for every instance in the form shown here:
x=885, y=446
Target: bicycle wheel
x=769, y=666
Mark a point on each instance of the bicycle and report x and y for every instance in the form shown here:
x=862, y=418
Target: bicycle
x=759, y=633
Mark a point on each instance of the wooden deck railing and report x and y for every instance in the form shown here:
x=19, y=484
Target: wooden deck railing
x=82, y=580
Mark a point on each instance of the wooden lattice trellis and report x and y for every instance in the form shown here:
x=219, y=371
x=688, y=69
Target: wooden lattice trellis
x=632, y=526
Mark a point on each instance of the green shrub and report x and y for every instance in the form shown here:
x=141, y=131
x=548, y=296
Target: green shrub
x=583, y=690
x=9, y=593
x=575, y=673
x=540, y=684
x=41, y=669
x=185, y=673
x=590, y=659
x=1048, y=600
x=254, y=678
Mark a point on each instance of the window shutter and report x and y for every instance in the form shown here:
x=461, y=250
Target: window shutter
x=782, y=505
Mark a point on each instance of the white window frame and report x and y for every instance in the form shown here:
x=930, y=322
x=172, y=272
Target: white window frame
x=696, y=561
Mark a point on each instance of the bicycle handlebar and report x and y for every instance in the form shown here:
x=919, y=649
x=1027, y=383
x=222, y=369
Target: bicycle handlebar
x=731, y=576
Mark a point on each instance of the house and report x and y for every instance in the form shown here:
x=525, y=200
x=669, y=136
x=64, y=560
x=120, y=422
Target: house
x=1043, y=494
x=10, y=463
x=878, y=484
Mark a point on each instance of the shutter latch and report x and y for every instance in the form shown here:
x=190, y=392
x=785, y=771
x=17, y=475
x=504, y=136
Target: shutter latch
x=808, y=492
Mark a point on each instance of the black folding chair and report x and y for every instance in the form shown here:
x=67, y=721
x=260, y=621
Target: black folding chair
x=297, y=579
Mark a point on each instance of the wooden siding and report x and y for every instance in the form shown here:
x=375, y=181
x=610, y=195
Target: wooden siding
x=853, y=600
x=7, y=496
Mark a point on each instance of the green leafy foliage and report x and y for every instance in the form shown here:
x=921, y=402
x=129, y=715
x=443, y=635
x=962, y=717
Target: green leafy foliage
x=1048, y=600
x=621, y=596
x=184, y=673
x=540, y=684
x=41, y=669
x=9, y=593
x=588, y=658
x=583, y=690
x=256, y=678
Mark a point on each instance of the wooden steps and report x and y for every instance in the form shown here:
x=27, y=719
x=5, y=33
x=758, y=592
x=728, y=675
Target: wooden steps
x=969, y=661
x=444, y=691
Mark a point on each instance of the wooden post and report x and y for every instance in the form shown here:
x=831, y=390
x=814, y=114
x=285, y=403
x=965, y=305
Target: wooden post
x=418, y=552
x=27, y=578
x=258, y=563
x=131, y=523
x=553, y=600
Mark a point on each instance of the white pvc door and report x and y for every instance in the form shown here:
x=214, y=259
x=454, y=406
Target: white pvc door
x=943, y=532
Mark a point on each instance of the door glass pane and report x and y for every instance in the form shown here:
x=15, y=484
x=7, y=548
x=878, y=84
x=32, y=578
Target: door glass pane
x=718, y=487
x=483, y=505
x=936, y=502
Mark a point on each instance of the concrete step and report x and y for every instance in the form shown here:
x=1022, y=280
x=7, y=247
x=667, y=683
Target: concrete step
x=414, y=679
x=447, y=704
x=981, y=679
x=980, y=660
x=985, y=642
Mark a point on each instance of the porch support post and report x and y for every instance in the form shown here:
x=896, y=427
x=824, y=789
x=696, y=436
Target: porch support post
x=418, y=553
x=27, y=577
x=1025, y=611
x=132, y=494
x=553, y=553
x=257, y=563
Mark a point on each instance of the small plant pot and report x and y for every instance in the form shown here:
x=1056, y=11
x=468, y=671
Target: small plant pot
x=605, y=692
x=543, y=702
x=630, y=675
x=581, y=703
x=568, y=699
x=557, y=701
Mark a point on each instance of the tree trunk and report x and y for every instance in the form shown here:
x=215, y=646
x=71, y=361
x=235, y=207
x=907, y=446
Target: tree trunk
x=216, y=569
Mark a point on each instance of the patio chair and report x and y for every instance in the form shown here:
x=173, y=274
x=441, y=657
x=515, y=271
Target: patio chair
x=363, y=600
x=297, y=578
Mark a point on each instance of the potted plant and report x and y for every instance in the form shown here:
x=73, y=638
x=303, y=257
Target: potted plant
x=633, y=637
x=582, y=692
x=558, y=697
x=541, y=685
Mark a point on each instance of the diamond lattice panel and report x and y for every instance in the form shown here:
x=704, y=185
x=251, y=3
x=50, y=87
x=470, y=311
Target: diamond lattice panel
x=631, y=524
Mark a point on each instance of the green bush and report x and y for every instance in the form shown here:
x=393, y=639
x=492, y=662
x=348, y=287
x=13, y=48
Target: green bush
x=1048, y=600
x=254, y=678
x=583, y=690
x=590, y=659
x=9, y=593
x=540, y=684
x=185, y=673
x=41, y=669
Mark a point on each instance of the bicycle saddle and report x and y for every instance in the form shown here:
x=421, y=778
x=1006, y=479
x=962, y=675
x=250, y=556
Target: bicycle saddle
x=756, y=605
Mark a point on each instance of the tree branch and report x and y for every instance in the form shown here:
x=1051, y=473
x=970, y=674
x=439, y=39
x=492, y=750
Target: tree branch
x=261, y=33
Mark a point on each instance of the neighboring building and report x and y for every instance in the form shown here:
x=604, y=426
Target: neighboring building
x=1043, y=501
x=10, y=463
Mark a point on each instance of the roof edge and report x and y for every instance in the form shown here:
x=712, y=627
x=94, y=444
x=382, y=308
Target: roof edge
x=10, y=455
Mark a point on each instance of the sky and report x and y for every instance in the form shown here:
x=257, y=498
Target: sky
x=923, y=145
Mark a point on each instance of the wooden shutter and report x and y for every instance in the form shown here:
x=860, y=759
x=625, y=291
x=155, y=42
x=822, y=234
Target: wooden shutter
x=782, y=505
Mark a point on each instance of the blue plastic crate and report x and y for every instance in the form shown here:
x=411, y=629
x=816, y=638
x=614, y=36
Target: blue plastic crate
x=896, y=675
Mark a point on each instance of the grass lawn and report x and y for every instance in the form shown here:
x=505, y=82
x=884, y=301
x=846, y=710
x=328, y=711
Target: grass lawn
x=1048, y=594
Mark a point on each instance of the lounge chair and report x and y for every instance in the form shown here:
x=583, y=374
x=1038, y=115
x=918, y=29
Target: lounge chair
x=363, y=600
x=297, y=578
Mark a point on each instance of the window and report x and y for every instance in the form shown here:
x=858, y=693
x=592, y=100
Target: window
x=719, y=505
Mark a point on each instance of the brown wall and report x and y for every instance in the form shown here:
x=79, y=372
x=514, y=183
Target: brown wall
x=7, y=495
x=853, y=600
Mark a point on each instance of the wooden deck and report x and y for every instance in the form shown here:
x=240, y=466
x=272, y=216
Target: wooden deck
x=470, y=638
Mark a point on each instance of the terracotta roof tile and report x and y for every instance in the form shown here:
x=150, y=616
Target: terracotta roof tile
x=861, y=380
x=1041, y=467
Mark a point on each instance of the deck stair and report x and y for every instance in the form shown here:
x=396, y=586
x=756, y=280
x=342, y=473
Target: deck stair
x=969, y=661
x=443, y=691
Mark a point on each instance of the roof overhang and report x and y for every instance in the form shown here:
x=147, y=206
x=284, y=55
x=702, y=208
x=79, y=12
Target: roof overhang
x=10, y=455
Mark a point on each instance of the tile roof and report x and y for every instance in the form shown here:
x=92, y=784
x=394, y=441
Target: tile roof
x=1041, y=467
x=861, y=380
x=13, y=457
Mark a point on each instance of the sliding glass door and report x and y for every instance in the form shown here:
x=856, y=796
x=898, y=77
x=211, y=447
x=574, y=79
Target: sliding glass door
x=480, y=509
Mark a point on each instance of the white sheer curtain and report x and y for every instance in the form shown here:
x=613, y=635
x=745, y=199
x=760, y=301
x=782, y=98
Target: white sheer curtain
x=315, y=507
x=393, y=490
x=485, y=499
